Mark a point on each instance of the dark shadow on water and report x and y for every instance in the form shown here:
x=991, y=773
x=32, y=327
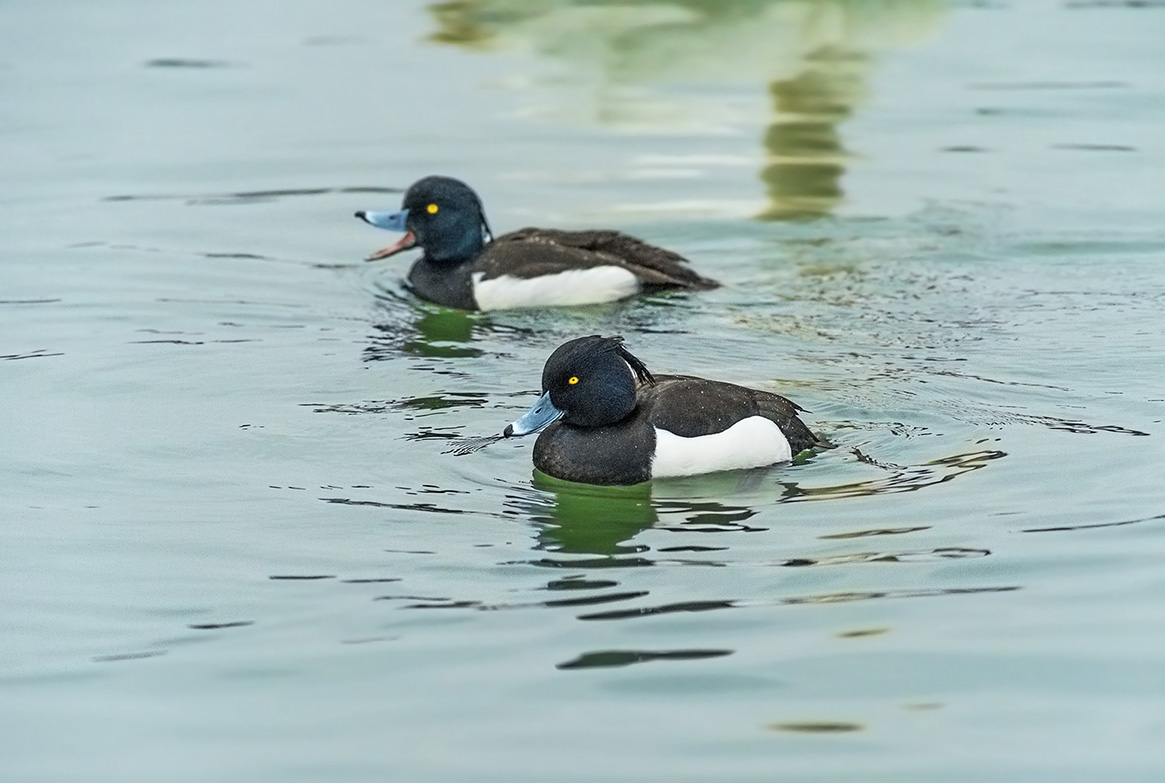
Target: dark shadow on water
x=247, y=196
x=133, y=656
x=608, y=658
x=428, y=508
x=416, y=406
x=818, y=727
x=822, y=598
x=427, y=411
x=1093, y=525
x=40, y=353
x=187, y=62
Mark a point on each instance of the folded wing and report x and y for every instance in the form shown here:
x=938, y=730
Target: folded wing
x=533, y=252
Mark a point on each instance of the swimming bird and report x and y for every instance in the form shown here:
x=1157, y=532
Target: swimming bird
x=464, y=266
x=605, y=419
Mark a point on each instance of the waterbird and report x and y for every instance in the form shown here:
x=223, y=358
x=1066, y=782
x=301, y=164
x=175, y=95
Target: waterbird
x=464, y=266
x=604, y=418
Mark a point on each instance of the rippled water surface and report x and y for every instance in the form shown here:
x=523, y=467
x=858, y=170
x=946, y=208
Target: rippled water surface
x=254, y=523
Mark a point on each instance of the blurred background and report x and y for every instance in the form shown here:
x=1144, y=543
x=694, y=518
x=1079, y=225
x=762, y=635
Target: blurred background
x=249, y=526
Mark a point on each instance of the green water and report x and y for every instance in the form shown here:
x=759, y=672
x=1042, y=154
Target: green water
x=239, y=540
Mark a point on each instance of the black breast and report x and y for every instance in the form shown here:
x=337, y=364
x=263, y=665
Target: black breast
x=450, y=285
x=617, y=454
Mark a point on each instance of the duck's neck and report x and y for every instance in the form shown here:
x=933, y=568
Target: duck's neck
x=458, y=250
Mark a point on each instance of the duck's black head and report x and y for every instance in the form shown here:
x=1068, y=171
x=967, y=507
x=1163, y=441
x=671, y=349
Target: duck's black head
x=442, y=215
x=588, y=382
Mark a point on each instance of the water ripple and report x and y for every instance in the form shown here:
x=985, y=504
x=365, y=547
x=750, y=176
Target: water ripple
x=608, y=658
x=247, y=196
x=823, y=598
x=1093, y=525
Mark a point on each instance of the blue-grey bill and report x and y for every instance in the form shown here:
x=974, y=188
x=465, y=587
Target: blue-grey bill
x=542, y=414
x=389, y=221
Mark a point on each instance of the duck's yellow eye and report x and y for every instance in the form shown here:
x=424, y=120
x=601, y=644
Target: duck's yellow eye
x=432, y=209
x=573, y=380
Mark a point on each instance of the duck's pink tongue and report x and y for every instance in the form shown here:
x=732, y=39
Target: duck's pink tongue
x=404, y=243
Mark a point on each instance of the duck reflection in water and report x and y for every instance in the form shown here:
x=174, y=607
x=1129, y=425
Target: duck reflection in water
x=604, y=520
x=417, y=329
x=587, y=519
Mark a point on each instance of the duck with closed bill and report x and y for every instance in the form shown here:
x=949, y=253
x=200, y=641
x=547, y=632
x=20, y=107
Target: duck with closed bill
x=605, y=419
x=463, y=266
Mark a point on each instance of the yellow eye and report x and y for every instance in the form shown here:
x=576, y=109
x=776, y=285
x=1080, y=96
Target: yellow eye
x=432, y=209
x=573, y=380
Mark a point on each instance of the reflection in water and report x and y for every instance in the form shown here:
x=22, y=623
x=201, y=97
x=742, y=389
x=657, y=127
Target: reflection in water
x=878, y=531
x=818, y=727
x=1093, y=525
x=609, y=658
x=244, y=197
x=823, y=598
x=804, y=145
x=583, y=532
x=133, y=656
x=918, y=556
x=418, y=406
x=416, y=329
x=902, y=478
x=406, y=326
x=709, y=518
x=630, y=59
x=583, y=519
x=414, y=408
x=437, y=328
x=591, y=520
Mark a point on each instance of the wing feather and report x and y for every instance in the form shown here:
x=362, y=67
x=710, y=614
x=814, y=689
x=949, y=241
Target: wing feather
x=533, y=252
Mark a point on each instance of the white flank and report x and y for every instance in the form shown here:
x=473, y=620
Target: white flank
x=749, y=443
x=573, y=287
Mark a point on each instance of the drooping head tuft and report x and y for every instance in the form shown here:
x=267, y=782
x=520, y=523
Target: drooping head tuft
x=593, y=380
x=641, y=371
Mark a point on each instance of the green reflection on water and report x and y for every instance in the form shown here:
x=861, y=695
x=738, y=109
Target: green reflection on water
x=803, y=141
x=628, y=56
x=592, y=519
x=599, y=520
x=438, y=327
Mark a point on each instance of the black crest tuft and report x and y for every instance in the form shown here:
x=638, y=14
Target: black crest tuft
x=641, y=372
